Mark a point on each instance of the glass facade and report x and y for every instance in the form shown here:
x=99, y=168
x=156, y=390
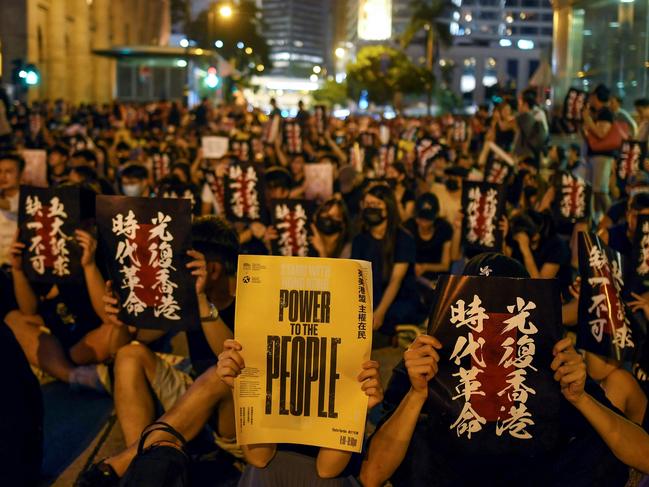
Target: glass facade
x=609, y=43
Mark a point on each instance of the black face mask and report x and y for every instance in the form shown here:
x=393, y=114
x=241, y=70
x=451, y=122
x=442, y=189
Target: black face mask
x=452, y=184
x=373, y=216
x=328, y=226
x=530, y=191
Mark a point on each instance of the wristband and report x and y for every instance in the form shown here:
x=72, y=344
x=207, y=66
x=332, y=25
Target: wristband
x=212, y=316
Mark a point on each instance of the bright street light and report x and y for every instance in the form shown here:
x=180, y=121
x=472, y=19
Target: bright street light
x=184, y=43
x=317, y=69
x=248, y=50
x=218, y=44
x=340, y=52
x=240, y=45
x=225, y=11
x=314, y=78
x=260, y=67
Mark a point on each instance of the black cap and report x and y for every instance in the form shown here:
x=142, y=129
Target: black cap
x=427, y=206
x=491, y=264
x=460, y=171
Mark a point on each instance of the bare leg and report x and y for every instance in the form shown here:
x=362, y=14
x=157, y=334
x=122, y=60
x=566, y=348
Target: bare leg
x=189, y=415
x=94, y=347
x=42, y=349
x=135, y=367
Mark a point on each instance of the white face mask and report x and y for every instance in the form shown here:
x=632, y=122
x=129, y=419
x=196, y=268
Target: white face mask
x=132, y=189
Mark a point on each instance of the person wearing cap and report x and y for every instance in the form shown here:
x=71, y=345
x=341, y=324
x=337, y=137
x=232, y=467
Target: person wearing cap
x=415, y=446
x=433, y=236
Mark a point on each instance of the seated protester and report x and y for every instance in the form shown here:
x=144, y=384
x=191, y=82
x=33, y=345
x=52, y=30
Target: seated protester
x=210, y=175
x=61, y=328
x=620, y=237
x=11, y=169
x=391, y=251
x=85, y=163
x=350, y=186
x=556, y=157
x=182, y=171
x=331, y=229
x=503, y=125
x=616, y=213
x=57, y=165
x=533, y=242
x=449, y=194
x=296, y=167
x=397, y=177
x=134, y=181
x=172, y=186
x=465, y=161
x=433, y=237
x=406, y=447
x=290, y=464
x=257, y=238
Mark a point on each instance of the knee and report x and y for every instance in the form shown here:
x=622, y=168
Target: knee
x=134, y=356
x=18, y=321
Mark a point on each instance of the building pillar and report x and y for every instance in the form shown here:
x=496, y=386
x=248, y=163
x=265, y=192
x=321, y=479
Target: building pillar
x=103, y=68
x=55, y=54
x=79, y=62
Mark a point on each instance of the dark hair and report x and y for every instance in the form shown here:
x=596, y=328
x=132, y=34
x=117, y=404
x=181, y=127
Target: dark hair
x=499, y=265
x=278, y=177
x=217, y=240
x=574, y=147
x=385, y=194
x=529, y=98
x=642, y=103
x=427, y=202
x=344, y=235
x=400, y=167
x=87, y=155
x=16, y=158
x=640, y=202
x=136, y=171
x=86, y=172
x=184, y=167
x=60, y=149
x=602, y=93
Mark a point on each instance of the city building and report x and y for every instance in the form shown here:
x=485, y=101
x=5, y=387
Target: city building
x=60, y=39
x=601, y=42
x=299, y=34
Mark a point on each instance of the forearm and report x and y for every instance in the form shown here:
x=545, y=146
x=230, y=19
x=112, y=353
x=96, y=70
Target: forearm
x=330, y=463
x=628, y=442
x=390, y=443
x=25, y=297
x=215, y=331
x=570, y=313
x=530, y=265
x=95, y=283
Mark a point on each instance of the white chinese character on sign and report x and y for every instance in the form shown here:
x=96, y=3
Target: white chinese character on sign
x=473, y=316
x=125, y=226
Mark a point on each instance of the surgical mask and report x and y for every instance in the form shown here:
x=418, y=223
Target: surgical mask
x=373, y=216
x=328, y=226
x=132, y=189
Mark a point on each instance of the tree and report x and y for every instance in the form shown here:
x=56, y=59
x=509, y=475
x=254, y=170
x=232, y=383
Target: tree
x=427, y=16
x=331, y=93
x=383, y=72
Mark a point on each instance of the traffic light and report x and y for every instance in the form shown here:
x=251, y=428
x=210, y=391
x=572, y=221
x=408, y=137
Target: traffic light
x=25, y=74
x=211, y=80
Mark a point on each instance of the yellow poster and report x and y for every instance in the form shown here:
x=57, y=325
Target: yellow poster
x=305, y=327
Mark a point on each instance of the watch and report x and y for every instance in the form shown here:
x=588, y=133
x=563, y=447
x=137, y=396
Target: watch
x=212, y=316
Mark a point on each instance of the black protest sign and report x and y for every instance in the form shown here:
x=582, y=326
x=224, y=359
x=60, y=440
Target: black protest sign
x=499, y=165
x=244, y=192
x=291, y=219
x=367, y=139
x=216, y=184
x=47, y=219
x=293, y=137
x=426, y=150
x=640, y=251
x=320, y=113
x=146, y=242
x=160, y=165
x=604, y=325
x=484, y=206
x=460, y=132
x=572, y=197
x=386, y=157
x=241, y=149
x=494, y=384
x=630, y=160
x=573, y=107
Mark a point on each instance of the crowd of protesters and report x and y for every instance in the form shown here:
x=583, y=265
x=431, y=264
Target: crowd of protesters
x=389, y=206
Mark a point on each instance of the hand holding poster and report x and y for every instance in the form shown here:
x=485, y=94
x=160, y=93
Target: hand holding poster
x=145, y=242
x=293, y=137
x=35, y=172
x=244, y=192
x=494, y=381
x=305, y=329
x=426, y=150
x=47, y=218
x=386, y=157
x=499, y=165
x=291, y=219
x=214, y=147
x=319, y=181
x=630, y=160
x=571, y=198
x=573, y=106
x=484, y=206
x=271, y=129
x=604, y=325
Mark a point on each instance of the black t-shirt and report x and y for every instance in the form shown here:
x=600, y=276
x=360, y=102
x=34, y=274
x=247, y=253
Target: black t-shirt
x=408, y=195
x=578, y=456
x=200, y=352
x=431, y=251
x=551, y=251
x=617, y=211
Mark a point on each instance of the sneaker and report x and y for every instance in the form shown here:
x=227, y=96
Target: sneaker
x=98, y=475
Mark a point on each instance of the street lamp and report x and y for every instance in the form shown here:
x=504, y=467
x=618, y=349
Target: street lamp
x=317, y=69
x=260, y=67
x=218, y=44
x=248, y=50
x=340, y=52
x=184, y=43
x=313, y=78
x=240, y=45
x=225, y=11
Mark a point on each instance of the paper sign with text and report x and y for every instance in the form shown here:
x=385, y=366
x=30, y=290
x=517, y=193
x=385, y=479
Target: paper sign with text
x=305, y=327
